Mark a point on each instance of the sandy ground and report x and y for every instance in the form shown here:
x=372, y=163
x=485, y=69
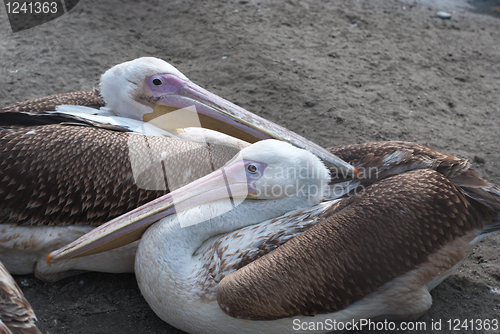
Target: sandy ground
x=337, y=73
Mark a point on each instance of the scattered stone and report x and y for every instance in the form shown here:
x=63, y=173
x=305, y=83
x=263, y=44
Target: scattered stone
x=443, y=15
x=309, y=104
x=339, y=119
x=25, y=283
x=479, y=160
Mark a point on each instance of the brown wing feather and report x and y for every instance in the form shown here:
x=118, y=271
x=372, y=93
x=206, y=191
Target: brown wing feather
x=59, y=175
x=41, y=111
x=379, y=160
x=394, y=157
x=348, y=255
x=15, y=311
x=48, y=103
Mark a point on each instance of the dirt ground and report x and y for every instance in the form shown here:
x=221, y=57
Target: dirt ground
x=336, y=72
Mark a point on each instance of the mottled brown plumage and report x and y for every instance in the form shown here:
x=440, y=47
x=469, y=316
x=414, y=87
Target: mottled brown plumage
x=376, y=161
x=45, y=181
x=358, y=246
x=230, y=252
x=48, y=103
x=394, y=157
x=16, y=314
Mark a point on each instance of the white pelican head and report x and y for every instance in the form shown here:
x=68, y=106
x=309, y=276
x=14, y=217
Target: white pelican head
x=276, y=169
x=147, y=88
x=131, y=89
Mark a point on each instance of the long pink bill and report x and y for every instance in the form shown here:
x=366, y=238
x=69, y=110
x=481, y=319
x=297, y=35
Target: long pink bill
x=229, y=184
x=221, y=115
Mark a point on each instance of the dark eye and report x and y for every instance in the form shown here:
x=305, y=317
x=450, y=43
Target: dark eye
x=157, y=82
x=252, y=169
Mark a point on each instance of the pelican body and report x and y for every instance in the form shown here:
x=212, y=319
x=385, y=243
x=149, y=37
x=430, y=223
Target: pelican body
x=73, y=161
x=16, y=314
x=228, y=254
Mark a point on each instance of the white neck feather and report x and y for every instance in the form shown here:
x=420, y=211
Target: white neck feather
x=117, y=93
x=164, y=262
x=175, y=244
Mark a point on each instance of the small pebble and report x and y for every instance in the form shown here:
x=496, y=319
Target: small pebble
x=443, y=15
x=26, y=283
x=479, y=160
x=224, y=57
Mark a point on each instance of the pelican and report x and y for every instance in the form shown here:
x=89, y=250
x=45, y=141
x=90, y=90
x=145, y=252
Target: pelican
x=16, y=314
x=70, y=162
x=145, y=94
x=253, y=248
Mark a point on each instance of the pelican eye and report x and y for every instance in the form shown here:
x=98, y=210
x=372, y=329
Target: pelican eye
x=252, y=168
x=157, y=82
